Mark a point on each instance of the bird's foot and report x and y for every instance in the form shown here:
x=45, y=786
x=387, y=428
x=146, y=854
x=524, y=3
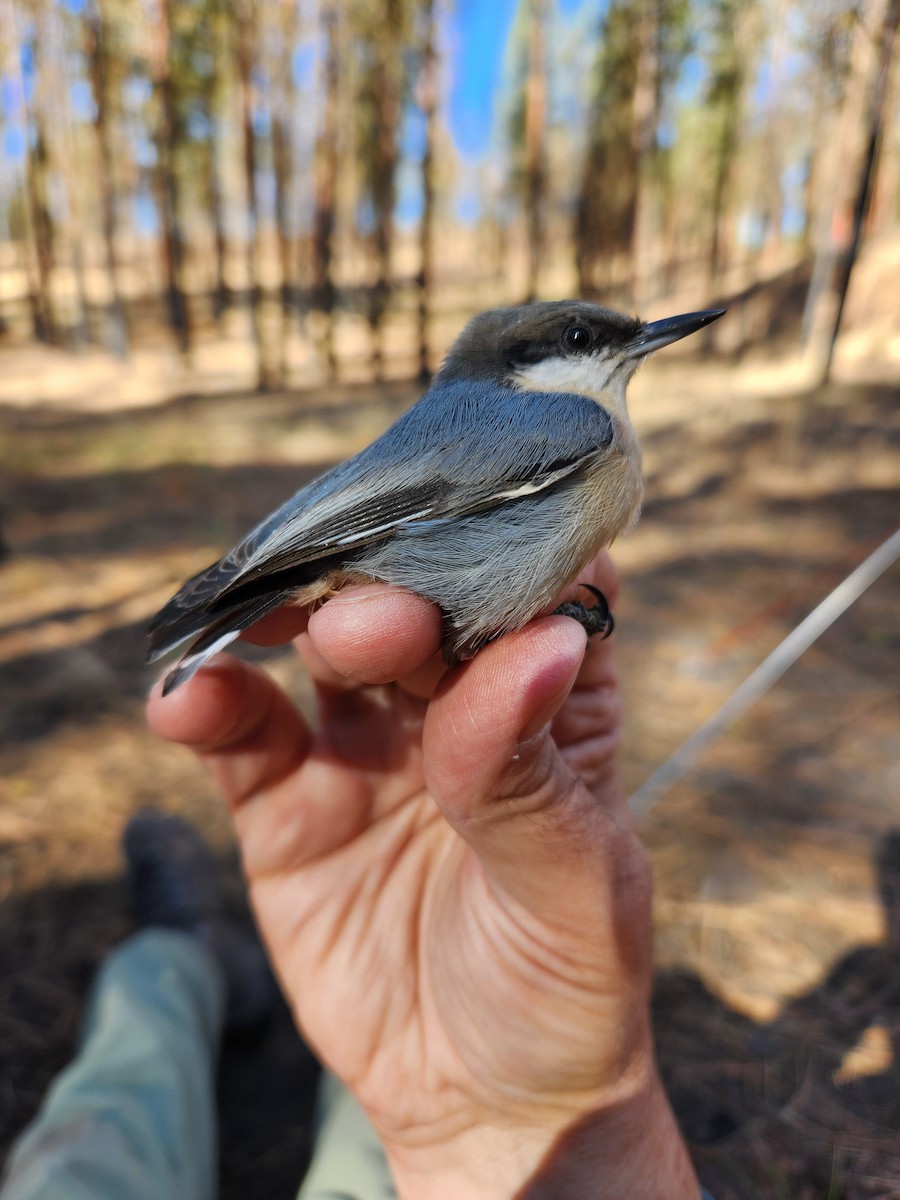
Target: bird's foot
x=595, y=620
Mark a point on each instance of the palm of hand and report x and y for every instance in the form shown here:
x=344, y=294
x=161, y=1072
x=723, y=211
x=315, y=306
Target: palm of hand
x=478, y=889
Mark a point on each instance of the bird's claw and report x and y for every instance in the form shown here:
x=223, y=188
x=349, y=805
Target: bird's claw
x=595, y=620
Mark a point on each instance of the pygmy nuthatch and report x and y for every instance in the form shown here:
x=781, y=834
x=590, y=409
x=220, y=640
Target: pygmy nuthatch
x=489, y=495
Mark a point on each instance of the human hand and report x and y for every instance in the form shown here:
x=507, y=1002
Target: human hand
x=450, y=890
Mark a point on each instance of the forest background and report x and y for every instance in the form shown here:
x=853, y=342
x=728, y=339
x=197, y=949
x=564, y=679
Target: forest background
x=341, y=172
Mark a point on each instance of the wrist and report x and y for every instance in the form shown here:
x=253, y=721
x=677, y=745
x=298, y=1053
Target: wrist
x=626, y=1147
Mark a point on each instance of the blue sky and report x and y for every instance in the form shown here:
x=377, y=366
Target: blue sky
x=478, y=33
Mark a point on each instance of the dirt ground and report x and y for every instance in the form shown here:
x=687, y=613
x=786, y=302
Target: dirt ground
x=777, y=859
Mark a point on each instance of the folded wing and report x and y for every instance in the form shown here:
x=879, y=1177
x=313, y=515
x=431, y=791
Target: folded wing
x=463, y=448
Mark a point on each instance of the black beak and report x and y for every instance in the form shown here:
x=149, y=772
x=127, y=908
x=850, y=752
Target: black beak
x=656, y=334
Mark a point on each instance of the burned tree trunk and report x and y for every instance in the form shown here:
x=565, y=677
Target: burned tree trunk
x=325, y=187
x=535, y=127
x=428, y=91
x=862, y=120
x=268, y=374
x=166, y=179
x=99, y=59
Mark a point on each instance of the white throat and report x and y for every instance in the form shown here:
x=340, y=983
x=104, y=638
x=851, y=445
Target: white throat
x=602, y=378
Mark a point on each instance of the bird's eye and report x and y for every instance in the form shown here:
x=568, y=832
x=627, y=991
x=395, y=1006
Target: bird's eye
x=577, y=338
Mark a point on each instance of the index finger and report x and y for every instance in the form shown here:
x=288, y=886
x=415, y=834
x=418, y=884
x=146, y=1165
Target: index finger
x=376, y=634
x=367, y=634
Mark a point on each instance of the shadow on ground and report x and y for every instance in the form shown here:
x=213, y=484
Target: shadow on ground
x=773, y=1109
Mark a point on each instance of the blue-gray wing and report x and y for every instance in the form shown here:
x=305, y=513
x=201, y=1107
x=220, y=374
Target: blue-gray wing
x=462, y=448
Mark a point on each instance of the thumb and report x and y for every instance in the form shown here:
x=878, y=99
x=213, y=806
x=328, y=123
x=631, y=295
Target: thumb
x=496, y=774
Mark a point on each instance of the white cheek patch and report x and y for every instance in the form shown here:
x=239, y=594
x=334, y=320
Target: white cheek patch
x=595, y=375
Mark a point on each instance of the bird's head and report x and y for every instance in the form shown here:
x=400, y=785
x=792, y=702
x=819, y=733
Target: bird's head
x=564, y=346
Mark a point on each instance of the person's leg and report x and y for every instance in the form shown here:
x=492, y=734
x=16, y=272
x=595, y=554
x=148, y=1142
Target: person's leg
x=348, y=1161
x=133, y=1117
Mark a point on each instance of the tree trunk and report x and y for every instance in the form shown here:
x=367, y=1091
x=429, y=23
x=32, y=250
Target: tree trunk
x=325, y=186
x=386, y=152
x=428, y=92
x=645, y=148
x=267, y=369
x=39, y=233
x=99, y=61
x=283, y=162
x=774, y=155
x=52, y=100
x=726, y=148
x=43, y=230
x=282, y=143
x=861, y=126
x=606, y=211
x=166, y=180
x=886, y=185
x=535, y=128
x=218, y=94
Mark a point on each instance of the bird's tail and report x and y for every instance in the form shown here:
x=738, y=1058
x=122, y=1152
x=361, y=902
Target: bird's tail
x=190, y=610
x=216, y=635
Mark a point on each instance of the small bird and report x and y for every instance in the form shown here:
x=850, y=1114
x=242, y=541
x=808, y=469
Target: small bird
x=513, y=470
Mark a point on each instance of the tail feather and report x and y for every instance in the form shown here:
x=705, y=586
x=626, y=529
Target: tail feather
x=215, y=594
x=188, y=611
x=190, y=664
x=217, y=635
x=163, y=638
x=215, y=606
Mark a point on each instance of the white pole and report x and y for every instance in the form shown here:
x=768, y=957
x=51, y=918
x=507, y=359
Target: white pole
x=766, y=674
